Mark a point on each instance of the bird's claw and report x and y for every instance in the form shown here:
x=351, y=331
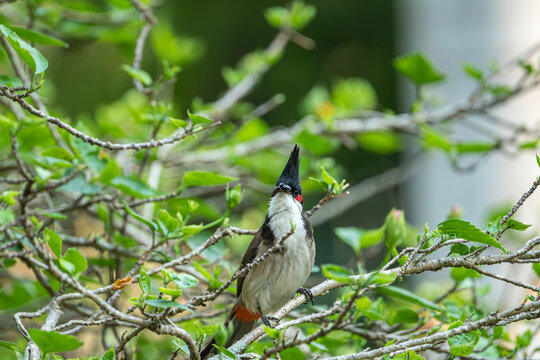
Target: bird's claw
x=308, y=294
x=268, y=320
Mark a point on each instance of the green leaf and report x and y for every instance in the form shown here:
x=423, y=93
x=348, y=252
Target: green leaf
x=109, y=355
x=460, y=273
x=536, y=268
x=329, y=180
x=10, y=81
x=400, y=293
x=205, y=178
x=278, y=16
x=139, y=218
x=66, y=266
x=192, y=229
x=51, y=341
x=172, y=292
x=183, y=280
x=163, y=304
x=359, y=239
x=336, y=272
x=168, y=221
x=138, y=74
x=457, y=228
x=418, y=68
x=179, y=123
x=460, y=249
x=11, y=346
x=354, y=94
x=58, y=152
x=225, y=351
x=377, y=277
x=473, y=71
x=538, y=160
x=463, y=344
x=301, y=14
x=517, y=225
x=434, y=329
x=198, y=119
x=144, y=281
x=77, y=259
x=132, y=186
x=38, y=38
x=474, y=147
x=31, y=56
x=405, y=316
x=432, y=138
x=79, y=185
x=55, y=242
x=273, y=333
x=110, y=171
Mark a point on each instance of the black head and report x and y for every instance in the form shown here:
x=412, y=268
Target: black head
x=289, y=180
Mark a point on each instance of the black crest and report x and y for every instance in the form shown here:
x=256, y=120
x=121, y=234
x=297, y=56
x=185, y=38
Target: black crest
x=290, y=175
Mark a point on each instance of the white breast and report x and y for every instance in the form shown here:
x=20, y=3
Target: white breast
x=275, y=281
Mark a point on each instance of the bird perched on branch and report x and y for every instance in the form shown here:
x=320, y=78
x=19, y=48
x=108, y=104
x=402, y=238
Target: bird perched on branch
x=276, y=279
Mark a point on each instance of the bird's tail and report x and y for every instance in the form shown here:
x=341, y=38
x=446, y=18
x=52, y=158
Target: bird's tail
x=243, y=322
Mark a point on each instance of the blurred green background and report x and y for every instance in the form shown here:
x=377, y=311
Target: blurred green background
x=353, y=39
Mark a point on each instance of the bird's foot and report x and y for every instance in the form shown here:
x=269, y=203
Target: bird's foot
x=269, y=321
x=307, y=293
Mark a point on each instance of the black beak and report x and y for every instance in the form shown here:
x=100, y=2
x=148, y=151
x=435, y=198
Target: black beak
x=281, y=187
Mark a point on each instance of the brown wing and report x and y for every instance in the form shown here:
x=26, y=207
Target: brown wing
x=264, y=236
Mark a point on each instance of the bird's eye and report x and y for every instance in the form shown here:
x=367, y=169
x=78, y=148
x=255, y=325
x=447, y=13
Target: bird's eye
x=299, y=198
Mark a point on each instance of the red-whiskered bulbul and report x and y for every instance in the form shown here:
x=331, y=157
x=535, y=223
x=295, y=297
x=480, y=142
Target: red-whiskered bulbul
x=274, y=281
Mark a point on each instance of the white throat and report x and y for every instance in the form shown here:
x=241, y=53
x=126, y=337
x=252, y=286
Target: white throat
x=284, y=211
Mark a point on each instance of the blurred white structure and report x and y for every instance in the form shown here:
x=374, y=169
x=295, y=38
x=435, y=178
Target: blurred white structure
x=449, y=33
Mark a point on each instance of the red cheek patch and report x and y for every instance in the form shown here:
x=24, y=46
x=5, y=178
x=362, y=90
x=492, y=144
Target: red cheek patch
x=299, y=198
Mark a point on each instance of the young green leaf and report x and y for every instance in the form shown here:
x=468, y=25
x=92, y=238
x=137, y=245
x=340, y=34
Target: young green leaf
x=138, y=74
x=273, y=333
x=225, y=351
x=536, y=268
x=462, y=229
x=11, y=346
x=517, y=225
x=55, y=242
x=336, y=272
x=172, y=292
x=139, y=218
x=132, y=186
x=183, y=280
x=462, y=344
x=403, y=294
x=418, y=68
x=51, y=341
x=109, y=355
x=198, y=119
x=278, y=17
x=38, y=38
x=301, y=14
x=178, y=122
x=31, y=56
x=144, y=281
x=77, y=259
x=473, y=71
x=170, y=223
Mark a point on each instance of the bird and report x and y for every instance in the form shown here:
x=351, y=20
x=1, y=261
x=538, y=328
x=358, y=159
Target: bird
x=280, y=276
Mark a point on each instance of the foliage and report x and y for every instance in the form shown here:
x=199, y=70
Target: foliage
x=165, y=187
